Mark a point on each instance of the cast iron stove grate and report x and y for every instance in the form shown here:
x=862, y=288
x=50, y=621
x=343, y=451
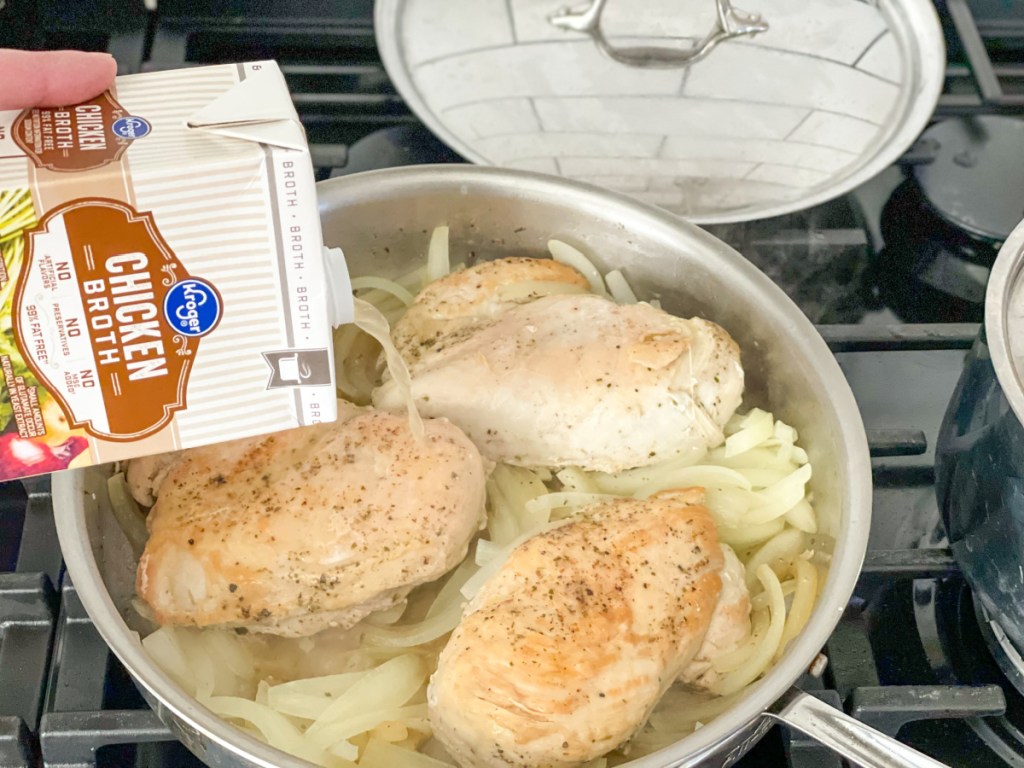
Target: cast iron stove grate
x=64, y=700
x=95, y=718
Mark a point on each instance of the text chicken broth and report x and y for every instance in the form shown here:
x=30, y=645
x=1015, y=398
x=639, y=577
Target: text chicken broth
x=162, y=281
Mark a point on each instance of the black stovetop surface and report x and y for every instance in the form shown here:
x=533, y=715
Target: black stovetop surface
x=65, y=701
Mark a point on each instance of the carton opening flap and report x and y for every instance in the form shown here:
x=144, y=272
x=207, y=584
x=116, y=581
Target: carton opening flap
x=257, y=109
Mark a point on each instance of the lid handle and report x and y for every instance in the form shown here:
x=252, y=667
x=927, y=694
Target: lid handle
x=731, y=23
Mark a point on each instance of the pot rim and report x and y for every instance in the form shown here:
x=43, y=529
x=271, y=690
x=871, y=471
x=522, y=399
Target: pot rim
x=915, y=23
x=1004, y=280
x=851, y=440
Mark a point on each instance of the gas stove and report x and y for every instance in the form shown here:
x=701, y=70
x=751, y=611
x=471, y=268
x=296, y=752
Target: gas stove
x=897, y=303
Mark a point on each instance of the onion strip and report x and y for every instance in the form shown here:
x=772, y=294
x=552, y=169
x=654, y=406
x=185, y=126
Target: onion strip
x=383, y=284
x=438, y=264
x=699, y=476
x=573, y=257
x=380, y=754
x=131, y=519
x=575, y=479
x=627, y=482
x=619, y=288
x=803, y=603
x=756, y=427
x=391, y=684
x=744, y=537
x=406, y=636
x=761, y=658
x=277, y=730
x=803, y=517
x=343, y=730
x=552, y=501
x=783, y=547
x=371, y=321
x=781, y=497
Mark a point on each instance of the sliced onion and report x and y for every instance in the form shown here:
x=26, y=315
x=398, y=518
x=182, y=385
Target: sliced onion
x=573, y=257
x=438, y=264
x=620, y=289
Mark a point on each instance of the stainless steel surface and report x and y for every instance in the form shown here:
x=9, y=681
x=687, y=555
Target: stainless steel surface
x=1004, y=653
x=756, y=130
x=379, y=219
x=1004, y=319
x=980, y=455
x=978, y=458
x=729, y=23
x=849, y=737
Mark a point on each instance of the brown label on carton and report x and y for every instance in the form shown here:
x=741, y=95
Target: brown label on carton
x=109, y=319
x=77, y=138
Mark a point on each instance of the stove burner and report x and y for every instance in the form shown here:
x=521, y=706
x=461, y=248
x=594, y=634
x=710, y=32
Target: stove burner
x=393, y=147
x=953, y=635
x=929, y=271
x=1005, y=654
x=943, y=226
x=976, y=179
x=819, y=257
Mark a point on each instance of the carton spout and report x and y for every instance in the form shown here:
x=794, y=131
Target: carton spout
x=339, y=287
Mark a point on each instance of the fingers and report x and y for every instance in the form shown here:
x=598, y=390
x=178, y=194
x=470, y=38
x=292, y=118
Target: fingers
x=52, y=78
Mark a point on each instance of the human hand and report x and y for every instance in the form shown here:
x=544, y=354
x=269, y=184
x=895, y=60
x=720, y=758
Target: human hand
x=52, y=78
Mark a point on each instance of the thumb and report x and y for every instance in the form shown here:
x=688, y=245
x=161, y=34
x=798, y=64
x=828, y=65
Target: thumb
x=52, y=78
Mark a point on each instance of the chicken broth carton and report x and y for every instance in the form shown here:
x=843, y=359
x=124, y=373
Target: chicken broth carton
x=162, y=282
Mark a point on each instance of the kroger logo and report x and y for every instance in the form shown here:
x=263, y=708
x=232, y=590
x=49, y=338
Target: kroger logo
x=192, y=307
x=131, y=127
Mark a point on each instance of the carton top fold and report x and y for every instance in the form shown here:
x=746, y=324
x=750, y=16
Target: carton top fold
x=257, y=109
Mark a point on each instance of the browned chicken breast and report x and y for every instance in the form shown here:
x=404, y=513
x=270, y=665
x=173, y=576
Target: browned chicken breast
x=146, y=474
x=314, y=527
x=568, y=379
x=452, y=308
x=730, y=624
x=564, y=652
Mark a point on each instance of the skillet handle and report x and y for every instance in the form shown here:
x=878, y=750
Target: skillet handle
x=843, y=734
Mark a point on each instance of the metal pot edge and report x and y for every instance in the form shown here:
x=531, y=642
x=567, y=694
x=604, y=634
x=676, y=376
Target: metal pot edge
x=1002, y=283
x=745, y=723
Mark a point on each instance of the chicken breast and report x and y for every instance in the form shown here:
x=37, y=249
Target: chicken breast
x=563, y=653
x=146, y=474
x=452, y=308
x=314, y=527
x=566, y=379
x=730, y=624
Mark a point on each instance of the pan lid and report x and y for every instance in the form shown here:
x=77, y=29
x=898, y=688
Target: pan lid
x=715, y=113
